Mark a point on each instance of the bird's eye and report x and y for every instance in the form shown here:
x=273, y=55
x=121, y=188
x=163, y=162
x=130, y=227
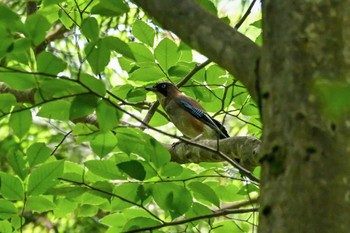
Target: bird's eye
x=163, y=86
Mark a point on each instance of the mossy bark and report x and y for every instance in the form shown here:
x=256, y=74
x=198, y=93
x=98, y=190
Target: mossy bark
x=306, y=152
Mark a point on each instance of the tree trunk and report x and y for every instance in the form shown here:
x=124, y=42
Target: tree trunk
x=306, y=158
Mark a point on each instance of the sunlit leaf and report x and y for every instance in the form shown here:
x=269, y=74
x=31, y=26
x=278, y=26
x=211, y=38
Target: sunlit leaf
x=107, y=116
x=90, y=28
x=98, y=55
x=37, y=153
x=82, y=105
x=11, y=187
x=104, y=168
x=203, y=192
x=166, y=54
x=103, y=143
x=42, y=178
x=140, y=222
x=37, y=25
x=6, y=102
x=143, y=32
x=110, y=8
x=39, y=204
x=21, y=121
x=7, y=209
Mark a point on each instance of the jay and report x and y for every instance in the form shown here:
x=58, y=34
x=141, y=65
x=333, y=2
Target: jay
x=187, y=114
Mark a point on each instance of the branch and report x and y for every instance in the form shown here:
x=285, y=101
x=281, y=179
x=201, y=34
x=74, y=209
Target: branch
x=244, y=148
x=200, y=217
x=210, y=36
x=21, y=96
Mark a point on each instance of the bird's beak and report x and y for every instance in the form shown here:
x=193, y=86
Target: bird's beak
x=150, y=88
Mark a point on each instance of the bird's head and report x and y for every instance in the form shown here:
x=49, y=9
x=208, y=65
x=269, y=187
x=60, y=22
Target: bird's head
x=165, y=91
x=163, y=88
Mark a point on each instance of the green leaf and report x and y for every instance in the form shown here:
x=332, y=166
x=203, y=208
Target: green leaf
x=143, y=32
x=171, y=197
x=181, y=69
x=73, y=171
x=208, y=5
x=87, y=211
x=103, y=143
x=128, y=65
x=228, y=226
x=216, y=75
x=203, y=192
x=117, y=220
x=50, y=64
x=17, y=162
x=147, y=74
x=98, y=55
x=90, y=28
x=11, y=187
x=20, y=122
x=58, y=88
x=94, y=84
x=257, y=23
x=6, y=102
x=247, y=189
x=137, y=94
x=7, y=209
x=122, y=90
x=7, y=15
x=17, y=80
x=130, y=140
x=84, y=132
x=171, y=169
x=116, y=44
x=42, y=178
x=37, y=25
x=141, y=53
x=198, y=209
x=104, y=168
x=166, y=54
x=37, y=153
x=64, y=207
x=82, y=105
x=127, y=191
x=143, y=193
x=39, y=204
x=156, y=152
x=133, y=168
x=140, y=222
x=110, y=8
x=57, y=110
x=5, y=227
x=107, y=116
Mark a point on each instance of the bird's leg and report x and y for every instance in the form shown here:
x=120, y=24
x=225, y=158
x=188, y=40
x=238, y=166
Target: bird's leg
x=196, y=138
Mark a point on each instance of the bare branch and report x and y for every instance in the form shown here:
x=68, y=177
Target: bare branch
x=244, y=148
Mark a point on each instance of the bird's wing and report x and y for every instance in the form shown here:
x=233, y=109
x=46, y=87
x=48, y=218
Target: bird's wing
x=202, y=116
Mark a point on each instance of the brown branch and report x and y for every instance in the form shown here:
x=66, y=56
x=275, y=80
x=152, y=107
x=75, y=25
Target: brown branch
x=200, y=217
x=244, y=148
x=209, y=35
x=21, y=96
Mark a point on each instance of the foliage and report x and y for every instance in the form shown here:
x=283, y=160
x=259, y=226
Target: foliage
x=108, y=175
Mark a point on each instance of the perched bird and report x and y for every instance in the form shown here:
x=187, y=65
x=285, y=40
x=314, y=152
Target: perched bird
x=187, y=114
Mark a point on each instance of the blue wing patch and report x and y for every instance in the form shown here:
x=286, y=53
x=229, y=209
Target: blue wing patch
x=204, y=117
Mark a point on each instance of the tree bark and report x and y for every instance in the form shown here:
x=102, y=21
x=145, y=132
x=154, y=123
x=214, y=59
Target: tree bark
x=306, y=154
x=244, y=148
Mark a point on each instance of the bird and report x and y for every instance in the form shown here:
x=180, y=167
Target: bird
x=187, y=114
